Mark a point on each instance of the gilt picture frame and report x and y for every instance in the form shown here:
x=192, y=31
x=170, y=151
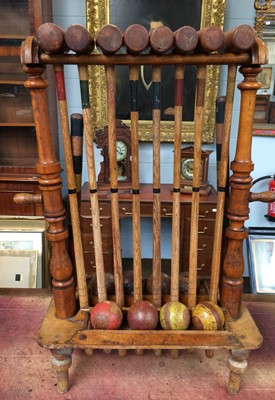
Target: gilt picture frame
x=101, y=12
x=265, y=77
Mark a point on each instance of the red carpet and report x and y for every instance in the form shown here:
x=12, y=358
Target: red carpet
x=26, y=368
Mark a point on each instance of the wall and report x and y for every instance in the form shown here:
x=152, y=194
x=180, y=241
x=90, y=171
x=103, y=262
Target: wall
x=237, y=12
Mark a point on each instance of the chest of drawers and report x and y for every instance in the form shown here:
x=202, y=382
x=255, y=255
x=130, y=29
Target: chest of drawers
x=206, y=224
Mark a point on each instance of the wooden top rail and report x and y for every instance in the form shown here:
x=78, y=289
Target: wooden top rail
x=27, y=57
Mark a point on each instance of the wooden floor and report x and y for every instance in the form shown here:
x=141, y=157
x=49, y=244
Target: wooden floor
x=25, y=368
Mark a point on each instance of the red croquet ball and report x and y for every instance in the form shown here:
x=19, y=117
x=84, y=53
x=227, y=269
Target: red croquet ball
x=106, y=315
x=142, y=315
x=174, y=315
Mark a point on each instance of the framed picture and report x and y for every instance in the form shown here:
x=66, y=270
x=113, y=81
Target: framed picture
x=265, y=77
x=261, y=258
x=176, y=13
x=18, y=268
x=27, y=235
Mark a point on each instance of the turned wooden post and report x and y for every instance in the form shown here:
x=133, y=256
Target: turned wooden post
x=50, y=185
x=240, y=183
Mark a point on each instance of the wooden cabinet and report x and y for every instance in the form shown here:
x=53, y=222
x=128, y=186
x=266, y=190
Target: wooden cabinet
x=261, y=114
x=207, y=218
x=18, y=146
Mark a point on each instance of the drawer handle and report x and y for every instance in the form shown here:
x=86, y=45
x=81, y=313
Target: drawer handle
x=204, y=215
x=203, y=231
x=202, y=248
x=201, y=267
x=167, y=213
x=100, y=209
x=126, y=212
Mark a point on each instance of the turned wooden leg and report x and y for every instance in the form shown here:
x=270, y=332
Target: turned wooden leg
x=237, y=363
x=61, y=362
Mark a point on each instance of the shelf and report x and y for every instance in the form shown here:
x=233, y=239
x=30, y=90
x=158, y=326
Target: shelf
x=11, y=82
x=18, y=143
x=23, y=124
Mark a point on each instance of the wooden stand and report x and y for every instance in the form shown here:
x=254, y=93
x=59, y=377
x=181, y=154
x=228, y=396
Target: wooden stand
x=66, y=325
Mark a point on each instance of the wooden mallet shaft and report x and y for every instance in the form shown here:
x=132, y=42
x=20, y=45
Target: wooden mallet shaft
x=222, y=185
x=193, y=255
x=118, y=272
x=78, y=248
x=88, y=135
x=77, y=149
x=134, y=115
x=156, y=290
x=179, y=77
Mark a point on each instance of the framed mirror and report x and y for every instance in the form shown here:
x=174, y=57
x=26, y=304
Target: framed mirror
x=176, y=13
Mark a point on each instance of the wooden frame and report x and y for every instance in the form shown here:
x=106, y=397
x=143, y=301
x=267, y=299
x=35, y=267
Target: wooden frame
x=261, y=257
x=98, y=14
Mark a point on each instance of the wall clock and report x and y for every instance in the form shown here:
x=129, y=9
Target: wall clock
x=187, y=170
x=123, y=154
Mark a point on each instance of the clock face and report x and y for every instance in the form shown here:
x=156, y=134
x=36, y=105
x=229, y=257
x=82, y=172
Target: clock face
x=121, y=150
x=187, y=168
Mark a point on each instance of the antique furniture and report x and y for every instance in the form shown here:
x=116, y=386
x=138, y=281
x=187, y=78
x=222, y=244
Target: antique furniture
x=207, y=214
x=17, y=129
x=67, y=323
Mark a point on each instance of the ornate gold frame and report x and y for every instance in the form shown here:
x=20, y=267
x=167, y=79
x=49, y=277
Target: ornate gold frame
x=97, y=13
x=263, y=12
